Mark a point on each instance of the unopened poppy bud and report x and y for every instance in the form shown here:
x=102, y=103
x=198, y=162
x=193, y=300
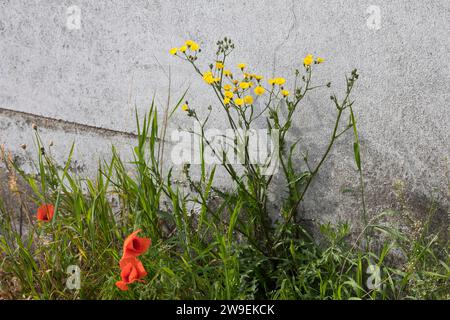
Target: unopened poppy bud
x=329, y=84
x=45, y=212
x=34, y=126
x=51, y=143
x=23, y=146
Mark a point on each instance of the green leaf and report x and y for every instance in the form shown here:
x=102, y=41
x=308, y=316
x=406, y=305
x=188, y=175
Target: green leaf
x=357, y=156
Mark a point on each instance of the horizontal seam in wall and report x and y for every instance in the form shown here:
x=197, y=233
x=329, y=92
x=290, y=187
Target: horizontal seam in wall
x=48, y=122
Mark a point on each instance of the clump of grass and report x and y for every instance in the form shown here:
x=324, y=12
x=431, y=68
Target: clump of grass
x=231, y=248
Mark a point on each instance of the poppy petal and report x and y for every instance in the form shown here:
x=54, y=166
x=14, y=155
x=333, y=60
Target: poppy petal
x=135, y=246
x=45, y=212
x=122, y=285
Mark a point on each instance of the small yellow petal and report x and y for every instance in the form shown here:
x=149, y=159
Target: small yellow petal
x=280, y=81
x=228, y=94
x=194, y=46
x=183, y=49
x=185, y=107
x=259, y=90
x=241, y=66
x=173, y=51
x=208, y=77
x=285, y=93
x=239, y=102
x=248, y=99
x=320, y=60
x=244, y=85
x=308, y=60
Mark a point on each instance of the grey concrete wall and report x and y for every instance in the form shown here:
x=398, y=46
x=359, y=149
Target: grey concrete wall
x=82, y=84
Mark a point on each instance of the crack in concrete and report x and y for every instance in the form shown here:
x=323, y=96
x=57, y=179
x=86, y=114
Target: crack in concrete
x=291, y=29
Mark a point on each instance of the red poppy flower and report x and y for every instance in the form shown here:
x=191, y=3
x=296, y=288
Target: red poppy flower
x=135, y=246
x=45, y=212
x=132, y=270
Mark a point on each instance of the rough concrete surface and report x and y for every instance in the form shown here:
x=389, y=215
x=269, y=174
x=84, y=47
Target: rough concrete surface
x=91, y=78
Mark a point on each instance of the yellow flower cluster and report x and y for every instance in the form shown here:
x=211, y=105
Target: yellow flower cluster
x=209, y=78
x=189, y=44
x=309, y=59
x=235, y=91
x=278, y=81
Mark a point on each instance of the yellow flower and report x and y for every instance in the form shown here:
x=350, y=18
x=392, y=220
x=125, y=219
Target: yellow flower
x=241, y=66
x=192, y=45
x=280, y=81
x=227, y=87
x=219, y=65
x=239, y=102
x=173, y=51
x=320, y=60
x=248, y=99
x=244, y=85
x=271, y=81
x=257, y=77
x=185, y=107
x=285, y=93
x=227, y=73
x=183, y=48
x=226, y=100
x=195, y=46
x=228, y=94
x=208, y=77
x=259, y=90
x=216, y=79
x=308, y=60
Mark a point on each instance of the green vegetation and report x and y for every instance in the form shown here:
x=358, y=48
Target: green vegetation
x=231, y=246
